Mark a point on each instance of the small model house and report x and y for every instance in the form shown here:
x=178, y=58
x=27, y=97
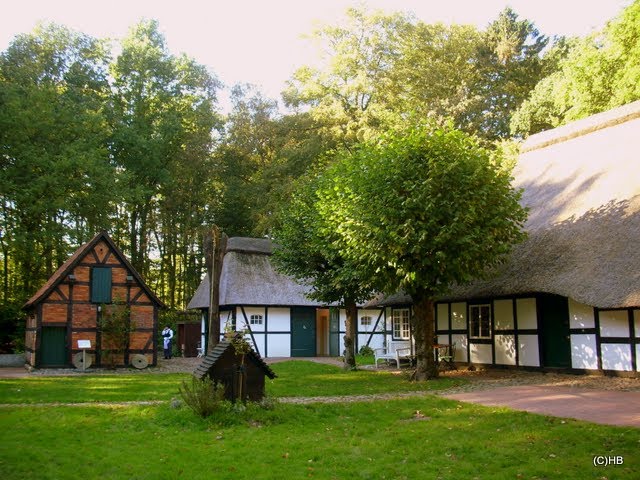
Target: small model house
x=243, y=379
x=95, y=301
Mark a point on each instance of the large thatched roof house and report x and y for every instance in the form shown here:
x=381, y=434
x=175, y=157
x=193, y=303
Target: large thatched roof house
x=569, y=296
x=282, y=320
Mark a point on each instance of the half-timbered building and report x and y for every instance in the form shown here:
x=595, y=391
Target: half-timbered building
x=66, y=314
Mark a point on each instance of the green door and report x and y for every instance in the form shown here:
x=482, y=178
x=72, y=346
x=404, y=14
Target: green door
x=303, y=332
x=334, y=332
x=53, y=347
x=556, y=344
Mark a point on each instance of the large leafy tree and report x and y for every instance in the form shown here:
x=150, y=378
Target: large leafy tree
x=56, y=179
x=310, y=251
x=598, y=73
x=420, y=211
x=164, y=114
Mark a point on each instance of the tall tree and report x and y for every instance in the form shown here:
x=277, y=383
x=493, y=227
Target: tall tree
x=420, y=211
x=344, y=93
x=163, y=120
x=56, y=179
x=598, y=73
x=310, y=251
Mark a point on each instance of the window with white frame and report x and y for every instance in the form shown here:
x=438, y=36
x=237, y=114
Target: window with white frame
x=400, y=324
x=480, y=321
x=255, y=320
x=365, y=321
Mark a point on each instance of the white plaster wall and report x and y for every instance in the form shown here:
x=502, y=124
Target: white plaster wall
x=259, y=338
x=461, y=347
x=527, y=317
x=614, y=323
x=343, y=320
x=528, y=352
x=480, y=353
x=616, y=356
x=443, y=339
x=252, y=311
x=505, y=346
x=584, y=352
x=376, y=340
x=638, y=357
x=279, y=345
x=279, y=319
x=636, y=322
x=503, y=314
x=580, y=315
x=459, y=316
x=443, y=316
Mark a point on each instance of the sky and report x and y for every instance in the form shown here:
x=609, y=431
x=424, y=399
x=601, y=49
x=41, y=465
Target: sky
x=261, y=41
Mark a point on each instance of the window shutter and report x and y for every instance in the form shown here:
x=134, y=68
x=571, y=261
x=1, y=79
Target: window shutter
x=101, y=285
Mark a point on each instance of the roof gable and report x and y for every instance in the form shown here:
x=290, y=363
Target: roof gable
x=109, y=254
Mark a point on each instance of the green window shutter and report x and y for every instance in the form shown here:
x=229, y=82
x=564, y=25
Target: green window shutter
x=100, y=285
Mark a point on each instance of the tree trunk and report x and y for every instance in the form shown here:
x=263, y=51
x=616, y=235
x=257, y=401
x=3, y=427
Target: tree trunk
x=350, y=334
x=424, y=331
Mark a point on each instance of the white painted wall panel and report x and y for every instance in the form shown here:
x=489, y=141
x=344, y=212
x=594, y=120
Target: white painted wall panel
x=580, y=315
x=459, y=316
x=376, y=341
x=343, y=320
x=279, y=345
x=480, y=353
x=461, y=347
x=526, y=311
x=528, y=352
x=638, y=357
x=259, y=338
x=505, y=346
x=503, y=314
x=279, y=319
x=614, y=323
x=616, y=356
x=443, y=316
x=636, y=322
x=584, y=352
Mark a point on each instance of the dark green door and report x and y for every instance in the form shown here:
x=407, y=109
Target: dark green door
x=556, y=344
x=303, y=332
x=334, y=332
x=53, y=347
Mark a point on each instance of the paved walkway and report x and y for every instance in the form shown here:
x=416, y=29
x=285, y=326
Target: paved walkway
x=598, y=406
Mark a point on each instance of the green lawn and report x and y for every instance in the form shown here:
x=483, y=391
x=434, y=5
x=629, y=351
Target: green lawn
x=365, y=440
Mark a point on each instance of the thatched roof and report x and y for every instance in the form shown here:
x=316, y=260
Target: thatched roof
x=249, y=278
x=581, y=184
x=67, y=267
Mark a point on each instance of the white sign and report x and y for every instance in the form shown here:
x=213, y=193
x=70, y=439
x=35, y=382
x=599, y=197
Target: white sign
x=84, y=343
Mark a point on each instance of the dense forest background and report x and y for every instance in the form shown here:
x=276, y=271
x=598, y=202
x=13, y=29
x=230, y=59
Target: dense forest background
x=129, y=137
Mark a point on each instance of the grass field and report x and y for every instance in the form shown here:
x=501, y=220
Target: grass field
x=360, y=440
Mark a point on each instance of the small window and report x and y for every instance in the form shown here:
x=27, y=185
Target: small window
x=480, y=321
x=255, y=320
x=365, y=321
x=100, y=285
x=400, y=324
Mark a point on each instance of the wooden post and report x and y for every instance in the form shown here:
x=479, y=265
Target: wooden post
x=215, y=244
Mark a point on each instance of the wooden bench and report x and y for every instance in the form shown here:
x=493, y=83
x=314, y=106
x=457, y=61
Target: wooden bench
x=395, y=351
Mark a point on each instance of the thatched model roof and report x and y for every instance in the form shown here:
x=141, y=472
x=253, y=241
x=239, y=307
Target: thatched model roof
x=209, y=361
x=581, y=183
x=249, y=278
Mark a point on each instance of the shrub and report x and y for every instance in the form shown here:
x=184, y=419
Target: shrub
x=366, y=350
x=203, y=397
